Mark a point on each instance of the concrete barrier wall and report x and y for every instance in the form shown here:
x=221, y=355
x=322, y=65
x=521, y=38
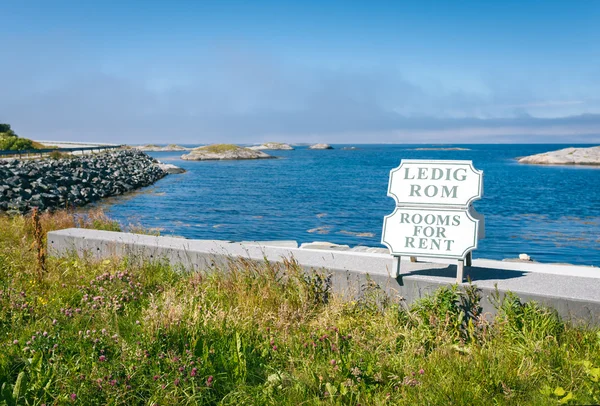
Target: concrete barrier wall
x=574, y=291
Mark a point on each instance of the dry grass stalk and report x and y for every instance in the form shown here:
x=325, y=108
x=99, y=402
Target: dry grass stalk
x=38, y=241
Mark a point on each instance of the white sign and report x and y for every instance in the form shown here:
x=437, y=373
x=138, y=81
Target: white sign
x=427, y=232
x=435, y=183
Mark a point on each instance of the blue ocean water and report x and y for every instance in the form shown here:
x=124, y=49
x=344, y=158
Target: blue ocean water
x=551, y=213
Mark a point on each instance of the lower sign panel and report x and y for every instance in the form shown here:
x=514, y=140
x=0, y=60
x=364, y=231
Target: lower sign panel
x=449, y=233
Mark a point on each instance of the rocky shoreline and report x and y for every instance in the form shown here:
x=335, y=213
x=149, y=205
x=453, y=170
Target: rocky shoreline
x=76, y=181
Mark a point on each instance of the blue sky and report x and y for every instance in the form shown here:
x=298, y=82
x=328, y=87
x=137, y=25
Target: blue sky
x=329, y=71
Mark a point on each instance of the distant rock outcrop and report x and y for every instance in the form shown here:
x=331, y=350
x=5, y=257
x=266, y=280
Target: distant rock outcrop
x=158, y=148
x=320, y=146
x=567, y=156
x=218, y=152
x=170, y=168
x=442, y=149
x=272, y=146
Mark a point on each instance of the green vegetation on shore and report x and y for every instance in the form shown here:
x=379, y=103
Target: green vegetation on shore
x=10, y=141
x=219, y=148
x=79, y=331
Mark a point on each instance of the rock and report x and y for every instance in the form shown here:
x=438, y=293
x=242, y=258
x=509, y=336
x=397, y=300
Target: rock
x=158, y=148
x=217, y=152
x=349, y=148
x=524, y=257
x=320, y=146
x=272, y=146
x=566, y=156
x=320, y=230
x=170, y=168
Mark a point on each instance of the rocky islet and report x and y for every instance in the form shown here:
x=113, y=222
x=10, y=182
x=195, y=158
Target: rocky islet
x=219, y=152
x=566, y=156
x=158, y=148
x=320, y=146
x=273, y=146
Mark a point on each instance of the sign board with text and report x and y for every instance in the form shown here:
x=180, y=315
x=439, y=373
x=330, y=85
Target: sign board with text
x=435, y=183
x=434, y=216
x=425, y=232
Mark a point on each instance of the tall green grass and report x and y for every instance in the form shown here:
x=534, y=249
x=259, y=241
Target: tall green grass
x=112, y=332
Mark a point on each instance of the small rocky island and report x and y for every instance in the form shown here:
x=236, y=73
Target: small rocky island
x=74, y=181
x=158, y=148
x=218, y=152
x=272, y=146
x=320, y=146
x=566, y=156
x=442, y=149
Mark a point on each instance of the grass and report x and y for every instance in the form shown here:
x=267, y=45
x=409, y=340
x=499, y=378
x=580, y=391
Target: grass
x=113, y=332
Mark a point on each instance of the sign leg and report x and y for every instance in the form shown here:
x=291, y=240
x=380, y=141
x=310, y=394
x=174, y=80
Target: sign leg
x=396, y=266
x=469, y=259
x=460, y=267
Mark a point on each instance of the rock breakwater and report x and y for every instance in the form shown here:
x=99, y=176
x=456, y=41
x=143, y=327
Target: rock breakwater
x=50, y=184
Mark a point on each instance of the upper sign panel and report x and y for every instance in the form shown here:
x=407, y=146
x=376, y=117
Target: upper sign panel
x=435, y=183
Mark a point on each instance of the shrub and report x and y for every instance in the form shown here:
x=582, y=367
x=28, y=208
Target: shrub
x=14, y=143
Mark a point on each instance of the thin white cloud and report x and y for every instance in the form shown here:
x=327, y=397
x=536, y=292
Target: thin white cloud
x=251, y=96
